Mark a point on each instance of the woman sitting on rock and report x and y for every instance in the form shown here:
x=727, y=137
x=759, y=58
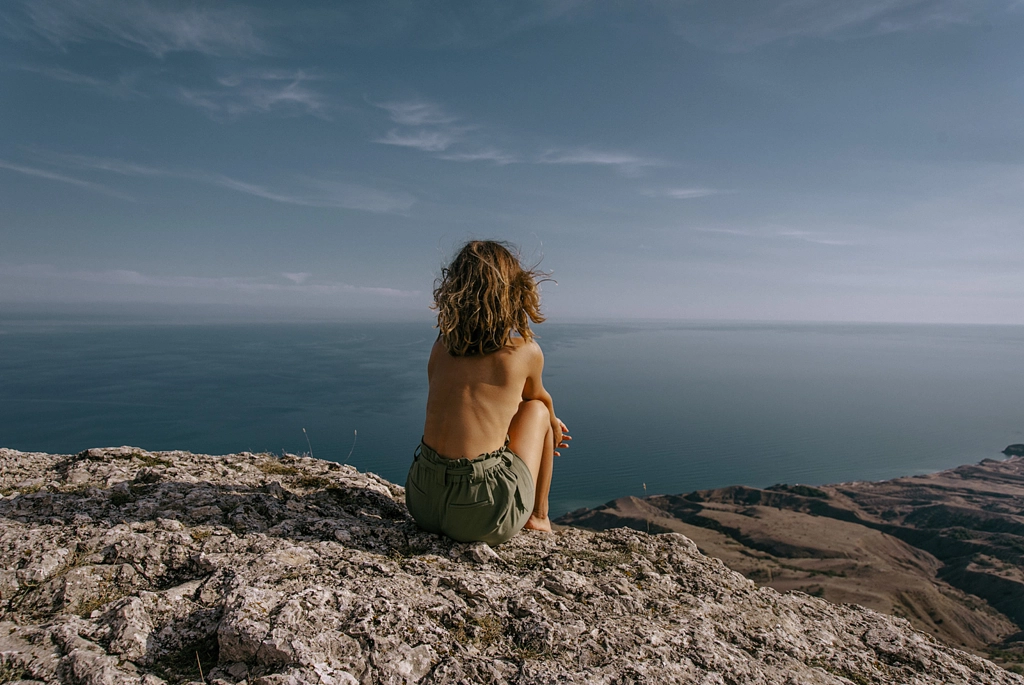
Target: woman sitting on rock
x=483, y=469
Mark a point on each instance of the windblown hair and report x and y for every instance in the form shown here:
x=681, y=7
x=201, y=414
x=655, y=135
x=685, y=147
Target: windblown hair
x=483, y=296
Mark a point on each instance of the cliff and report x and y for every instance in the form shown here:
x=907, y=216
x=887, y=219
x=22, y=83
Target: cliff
x=125, y=566
x=944, y=550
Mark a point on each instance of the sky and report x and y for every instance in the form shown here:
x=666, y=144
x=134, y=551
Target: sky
x=805, y=160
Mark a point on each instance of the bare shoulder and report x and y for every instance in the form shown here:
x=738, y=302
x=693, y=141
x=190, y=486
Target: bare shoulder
x=527, y=353
x=438, y=347
x=435, y=353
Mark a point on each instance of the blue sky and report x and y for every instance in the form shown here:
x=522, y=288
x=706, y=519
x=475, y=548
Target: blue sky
x=793, y=160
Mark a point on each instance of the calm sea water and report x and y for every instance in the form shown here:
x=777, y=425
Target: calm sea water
x=677, y=407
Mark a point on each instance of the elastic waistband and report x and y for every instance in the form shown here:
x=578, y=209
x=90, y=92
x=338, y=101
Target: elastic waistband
x=462, y=468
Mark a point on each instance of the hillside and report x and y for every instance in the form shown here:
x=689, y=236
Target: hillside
x=944, y=550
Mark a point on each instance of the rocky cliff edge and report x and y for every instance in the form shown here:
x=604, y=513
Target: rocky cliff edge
x=126, y=566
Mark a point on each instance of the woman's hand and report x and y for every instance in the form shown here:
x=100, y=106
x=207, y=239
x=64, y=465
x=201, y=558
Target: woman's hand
x=562, y=437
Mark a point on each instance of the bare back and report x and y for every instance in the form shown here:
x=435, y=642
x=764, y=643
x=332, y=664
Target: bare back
x=473, y=399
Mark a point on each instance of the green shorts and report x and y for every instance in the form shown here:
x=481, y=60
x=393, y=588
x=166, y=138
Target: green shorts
x=487, y=499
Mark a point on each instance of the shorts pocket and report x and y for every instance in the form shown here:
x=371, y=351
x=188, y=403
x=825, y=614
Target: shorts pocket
x=476, y=495
x=470, y=505
x=470, y=513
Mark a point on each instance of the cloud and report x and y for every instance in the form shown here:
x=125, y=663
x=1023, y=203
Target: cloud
x=726, y=231
x=427, y=141
x=739, y=26
x=61, y=178
x=257, y=92
x=158, y=28
x=813, y=237
x=124, y=86
x=684, y=193
x=241, y=77
x=628, y=164
x=116, y=166
x=224, y=98
x=430, y=128
x=431, y=25
x=483, y=155
x=323, y=193
x=416, y=113
x=246, y=284
x=298, y=278
x=776, y=233
x=303, y=190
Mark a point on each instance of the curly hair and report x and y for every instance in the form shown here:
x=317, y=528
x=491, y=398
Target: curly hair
x=484, y=295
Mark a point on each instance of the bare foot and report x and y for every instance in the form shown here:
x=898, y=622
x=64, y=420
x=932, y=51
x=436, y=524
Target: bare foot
x=542, y=524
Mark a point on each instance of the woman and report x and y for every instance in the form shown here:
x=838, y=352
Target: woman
x=483, y=469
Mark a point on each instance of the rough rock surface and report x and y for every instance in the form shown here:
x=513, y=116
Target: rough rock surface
x=125, y=566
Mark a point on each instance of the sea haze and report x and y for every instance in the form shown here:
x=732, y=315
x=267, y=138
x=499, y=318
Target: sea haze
x=677, y=407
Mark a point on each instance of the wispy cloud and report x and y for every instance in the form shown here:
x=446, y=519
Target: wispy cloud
x=323, y=193
x=62, y=178
x=482, y=155
x=126, y=85
x=157, y=28
x=297, y=278
x=684, y=193
x=777, y=233
x=423, y=25
x=628, y=164
x=417, y=113
x=430, y=128
x=770, y=21
x=257, y=92
x=246, y=284
x=116, y=166
x=304, y=191
x=813, y=237
x=726, y=231
x=239, y=78
x=427, y=141
x=223, y=98
x=426, y=126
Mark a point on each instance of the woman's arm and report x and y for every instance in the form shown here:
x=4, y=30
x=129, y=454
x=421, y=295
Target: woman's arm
x=533, y=389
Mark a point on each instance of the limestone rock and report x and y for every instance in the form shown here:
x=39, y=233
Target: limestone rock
x=126, y=566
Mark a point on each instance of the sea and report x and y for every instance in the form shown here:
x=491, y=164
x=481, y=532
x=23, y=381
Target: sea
x=653, y=407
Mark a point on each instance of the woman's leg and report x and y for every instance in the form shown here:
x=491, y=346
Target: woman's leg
x=530, y=437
